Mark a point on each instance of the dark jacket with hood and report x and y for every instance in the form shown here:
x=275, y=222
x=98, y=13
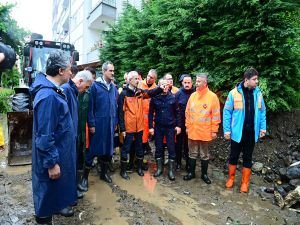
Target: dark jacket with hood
x=53, y=142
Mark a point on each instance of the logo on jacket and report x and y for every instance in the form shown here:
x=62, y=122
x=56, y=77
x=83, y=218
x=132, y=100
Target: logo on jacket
x=204, y=106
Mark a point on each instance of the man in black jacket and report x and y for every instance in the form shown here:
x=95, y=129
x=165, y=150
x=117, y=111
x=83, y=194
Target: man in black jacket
x=167, y=122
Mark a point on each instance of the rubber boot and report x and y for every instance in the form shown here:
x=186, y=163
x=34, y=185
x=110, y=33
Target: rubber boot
x=191, y=169
x=246, y=173
x=187, y=164
x=84, y=183
x=104, y=172
x=171, y=174
x=130, y=165
x=44, y=220
x=111, y=166
x=140, y=167
x=231, y=175
x=159, y=164
x=123, y=171
x=204, y=167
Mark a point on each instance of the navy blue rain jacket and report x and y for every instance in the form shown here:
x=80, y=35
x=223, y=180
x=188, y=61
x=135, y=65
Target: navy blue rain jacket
x=102, y=115
x=164, y=111
x=53, y=143
x=71, y=93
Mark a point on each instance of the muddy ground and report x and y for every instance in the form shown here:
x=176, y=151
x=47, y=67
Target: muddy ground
x=146, y=200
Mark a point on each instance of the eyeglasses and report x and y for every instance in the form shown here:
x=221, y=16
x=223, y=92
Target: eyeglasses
x=111, y=70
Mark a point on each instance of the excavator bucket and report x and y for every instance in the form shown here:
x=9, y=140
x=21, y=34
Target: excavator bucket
x=19, y=137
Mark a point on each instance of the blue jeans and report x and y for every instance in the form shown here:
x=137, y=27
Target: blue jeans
x=137, y=145
x=159, y=133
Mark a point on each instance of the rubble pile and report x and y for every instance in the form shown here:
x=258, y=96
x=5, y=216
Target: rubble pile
x=276, y=158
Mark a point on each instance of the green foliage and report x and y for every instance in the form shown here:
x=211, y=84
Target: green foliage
x=4, y=100
x=10, y=32
x=10, y=78
x=223, y=37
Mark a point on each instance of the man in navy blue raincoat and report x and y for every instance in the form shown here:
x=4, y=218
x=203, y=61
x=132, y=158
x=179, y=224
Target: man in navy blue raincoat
x=102, y=122
x=53, y=155
x=79, y=84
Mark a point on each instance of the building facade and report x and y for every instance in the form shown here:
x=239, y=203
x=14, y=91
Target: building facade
x=83, y=23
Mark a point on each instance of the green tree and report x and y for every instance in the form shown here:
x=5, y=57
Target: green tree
x=10, y=32
x=223, y=37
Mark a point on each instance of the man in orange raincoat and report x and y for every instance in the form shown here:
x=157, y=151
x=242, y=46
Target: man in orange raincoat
x=202, y=123
x=147, y=84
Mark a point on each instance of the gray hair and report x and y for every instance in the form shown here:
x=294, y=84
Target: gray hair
x=202, y=75
x=57, y=60
x=131, y=74
x=85, y=75
x=105, y=65
x=153, y=71
x=165, y=76
x=160, y=81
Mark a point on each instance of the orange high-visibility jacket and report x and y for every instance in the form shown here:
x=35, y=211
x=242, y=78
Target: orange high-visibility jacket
x=146, y=103
x=202, y=115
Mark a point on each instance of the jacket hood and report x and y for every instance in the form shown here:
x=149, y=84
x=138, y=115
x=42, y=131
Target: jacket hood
x=41, y=82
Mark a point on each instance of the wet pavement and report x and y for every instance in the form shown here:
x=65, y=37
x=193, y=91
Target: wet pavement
x=146, y=200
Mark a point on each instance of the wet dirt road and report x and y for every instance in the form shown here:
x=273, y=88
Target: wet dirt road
x=146, y=200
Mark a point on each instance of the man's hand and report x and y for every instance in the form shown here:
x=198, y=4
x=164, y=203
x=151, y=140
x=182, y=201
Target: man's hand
x=227, y=136
x=262, y=133
x=92, y=130
x=178, y=130
x=54, y=173
x=164, y=85
x=151, y=131
x=213, y=135
x=124, y=134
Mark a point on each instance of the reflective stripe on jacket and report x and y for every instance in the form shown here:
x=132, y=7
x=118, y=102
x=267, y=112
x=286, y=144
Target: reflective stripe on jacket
x=234, y=113
x=202, y=115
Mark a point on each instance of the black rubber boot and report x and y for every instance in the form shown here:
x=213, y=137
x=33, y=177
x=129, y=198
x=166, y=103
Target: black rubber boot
x=187, y=164
x=111, y=166
x=43, y=220
x=171, y=174
x=147, y=148
x=159, y=171
x=204, y=167
x=123, y=171
x=84, y=183
x=104, y=172
x=140, y=167
x=191, y=171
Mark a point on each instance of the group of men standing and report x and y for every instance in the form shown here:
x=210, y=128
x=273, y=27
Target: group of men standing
x=185, y=120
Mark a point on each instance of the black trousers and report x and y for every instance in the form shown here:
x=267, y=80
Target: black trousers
x=246, y=146
x=182, y=143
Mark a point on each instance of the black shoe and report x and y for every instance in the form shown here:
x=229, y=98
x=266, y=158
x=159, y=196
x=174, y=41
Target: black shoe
x=104, y=172
x=191, y=172
x=83, y=184
x=79, y=194
x=159, y=170
x=171, y=174
x=140, y=167
x=43, y=220
x=66, y=212
x=123, y=171
x=204, y=167
x=205, y=178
